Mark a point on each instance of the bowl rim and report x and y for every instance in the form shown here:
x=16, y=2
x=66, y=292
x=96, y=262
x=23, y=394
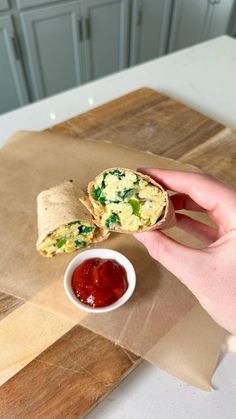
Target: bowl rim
x=103, y=253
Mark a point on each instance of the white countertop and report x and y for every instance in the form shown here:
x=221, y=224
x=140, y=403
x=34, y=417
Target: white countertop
x=203, y=77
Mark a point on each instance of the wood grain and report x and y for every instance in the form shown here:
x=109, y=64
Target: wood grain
x=145, y=120
x=216, y=157
x=8, y=303
x=66, y=379
x=81, y=368
x=25, y=333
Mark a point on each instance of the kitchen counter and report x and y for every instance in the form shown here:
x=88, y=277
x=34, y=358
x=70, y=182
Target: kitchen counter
x=202, y=77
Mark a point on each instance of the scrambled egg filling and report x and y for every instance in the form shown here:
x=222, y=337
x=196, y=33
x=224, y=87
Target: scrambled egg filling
x=67, y=238
x=130, y=203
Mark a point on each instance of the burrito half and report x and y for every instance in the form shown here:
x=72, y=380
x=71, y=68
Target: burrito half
x=126, y=201
x=64, y=224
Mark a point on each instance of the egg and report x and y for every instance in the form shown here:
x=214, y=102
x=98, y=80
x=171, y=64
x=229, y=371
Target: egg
x=67, y=238
x=127, y=202
x=151, y=210
x=151, y=193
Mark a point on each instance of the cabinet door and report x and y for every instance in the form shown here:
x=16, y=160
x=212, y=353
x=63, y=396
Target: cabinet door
x=106, y=31
x=189, y=23
x=220, y=18
x=13, y=91
x=149, y=29
x=52, y=48
x=4, y=5
x=232, y=31
x=32, y=3
x=196, y=21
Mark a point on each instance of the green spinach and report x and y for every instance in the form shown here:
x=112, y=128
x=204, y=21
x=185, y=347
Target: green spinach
x=127, y=193
x=85, y=229
x=114, y=218
x=118, y=173
x=80, y=243
x=97, y=194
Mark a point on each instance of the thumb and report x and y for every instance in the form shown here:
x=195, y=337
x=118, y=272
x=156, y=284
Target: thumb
x=184, y=262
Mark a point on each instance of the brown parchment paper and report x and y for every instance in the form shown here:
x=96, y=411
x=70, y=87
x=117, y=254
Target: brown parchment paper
x=162, y=322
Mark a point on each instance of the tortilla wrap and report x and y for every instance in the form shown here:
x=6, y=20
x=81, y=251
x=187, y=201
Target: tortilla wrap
x=158, y=205
x=63, y=220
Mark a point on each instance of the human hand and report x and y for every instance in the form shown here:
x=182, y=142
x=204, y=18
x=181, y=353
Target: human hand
x=210, y=273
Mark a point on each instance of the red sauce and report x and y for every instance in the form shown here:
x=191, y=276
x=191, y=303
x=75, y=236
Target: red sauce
x=99, y=282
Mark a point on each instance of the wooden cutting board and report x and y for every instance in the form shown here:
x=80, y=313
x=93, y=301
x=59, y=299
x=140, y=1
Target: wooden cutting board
x=43, y=385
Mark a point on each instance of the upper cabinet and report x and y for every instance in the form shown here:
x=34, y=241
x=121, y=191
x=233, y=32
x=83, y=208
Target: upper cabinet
x=4, y=5
x=149, y=29
x=220, y=18
x=49, y=46
x=106, y=36
x=196, y=21
x=52, y=40
x=73, y=42
x=13, y=91
x=32, y=3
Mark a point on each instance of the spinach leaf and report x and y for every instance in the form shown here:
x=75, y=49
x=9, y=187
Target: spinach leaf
x=103, y=181
x=136, y=206
x=114, y=218
x=85, y=229
x=80, y=243
x=60, y=242
x=118, y=173
x=97, y=194
x=127, y=193
x=103, y=201
x=138, y=179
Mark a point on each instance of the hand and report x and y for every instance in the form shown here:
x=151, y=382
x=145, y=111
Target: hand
x=210, y=273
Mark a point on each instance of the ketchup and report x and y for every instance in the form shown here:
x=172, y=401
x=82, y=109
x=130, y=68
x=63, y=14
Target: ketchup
x=99, y=282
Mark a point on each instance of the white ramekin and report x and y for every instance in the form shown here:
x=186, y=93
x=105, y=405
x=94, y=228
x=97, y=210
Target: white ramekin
x=103, y=254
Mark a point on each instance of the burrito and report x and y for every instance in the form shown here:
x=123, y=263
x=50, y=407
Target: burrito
x=64, y=224
x=126, y=201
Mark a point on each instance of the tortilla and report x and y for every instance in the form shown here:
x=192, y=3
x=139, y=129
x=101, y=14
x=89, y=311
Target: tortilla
x=64, y=224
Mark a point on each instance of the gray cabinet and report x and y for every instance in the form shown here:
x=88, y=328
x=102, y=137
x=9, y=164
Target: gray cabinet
x=53, y=48
x=106, y=32
x=63, y=43
x=220, y=18
x=196, y=21
x=149, y=29
x=32, y=3
x=13, y=92
x=4, y=5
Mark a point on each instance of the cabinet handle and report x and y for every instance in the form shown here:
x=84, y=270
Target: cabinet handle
x=88, y=27
x=80, y=23
x=140, y=13
x=16, y=46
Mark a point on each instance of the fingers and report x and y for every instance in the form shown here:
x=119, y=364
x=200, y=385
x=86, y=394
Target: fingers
x=185, y=263
x=182, y=201
x=207, y=192
x=199, y=230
